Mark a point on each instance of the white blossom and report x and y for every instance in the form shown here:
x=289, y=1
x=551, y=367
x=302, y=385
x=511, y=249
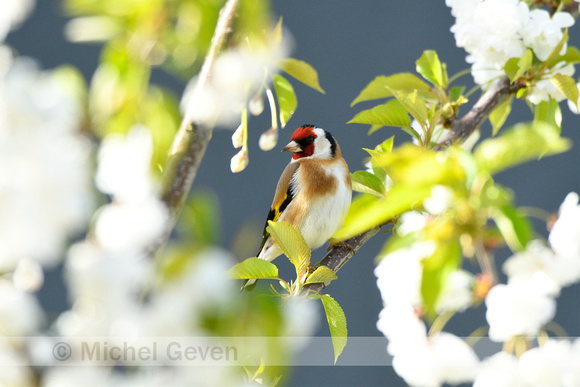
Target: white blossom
x=565, y=235
x=44, y=170
x=400, y=324
x=124, y=170
x=12, y=13
x=493, y=31
x=442, y=358
x=399, y=273
x=456, y=294
x=543, y=32
x=20, y=313
x=499, y=370
x=440, y=200
x=517, y=309
x=236, y=73
x=410, y=222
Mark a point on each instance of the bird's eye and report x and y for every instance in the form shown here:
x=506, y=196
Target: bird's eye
x=309, y=140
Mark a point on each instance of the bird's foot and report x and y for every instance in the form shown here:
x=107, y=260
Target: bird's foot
x=343, y=244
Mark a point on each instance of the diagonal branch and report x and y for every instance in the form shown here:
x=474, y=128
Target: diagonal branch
x=191, y=140
x=340, y=254
x=461, y=129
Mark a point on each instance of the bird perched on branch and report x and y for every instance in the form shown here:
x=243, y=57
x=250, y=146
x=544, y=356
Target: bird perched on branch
x=313, y=193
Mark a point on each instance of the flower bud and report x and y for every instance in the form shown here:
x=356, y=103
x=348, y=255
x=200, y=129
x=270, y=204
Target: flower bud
x=238, y=137
x=256, y=105
x=239, y=162
x=268, y=139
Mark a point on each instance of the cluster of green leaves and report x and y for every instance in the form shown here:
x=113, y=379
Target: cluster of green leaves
x=430, y=101
x=292, y=244
x=481, y=214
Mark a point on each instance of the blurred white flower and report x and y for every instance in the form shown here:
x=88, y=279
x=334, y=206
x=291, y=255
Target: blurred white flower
x=20, y=313
x=456, y=294
x=565, y=235
x=440, y=200
x=237, y=73
x=301, y=317
x=399, y=273
x=410, y=222
x=44, y=170
x=12, y=13
x=539, y=266
x=541, y=366
x=499, y=370
x=517, y=309
x=400, y=324
x=122, y=227
x=11, y=366
x=442, y=358
x=124, y=165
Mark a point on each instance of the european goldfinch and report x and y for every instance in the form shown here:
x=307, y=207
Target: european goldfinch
x=313, y=193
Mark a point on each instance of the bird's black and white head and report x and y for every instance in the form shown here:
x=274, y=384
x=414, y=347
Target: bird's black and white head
x=309, y=141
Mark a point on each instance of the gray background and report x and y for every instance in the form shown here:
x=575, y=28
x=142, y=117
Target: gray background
x=349, y=43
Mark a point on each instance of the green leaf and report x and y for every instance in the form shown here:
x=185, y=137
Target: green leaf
x=456, y=92
x=379, y=87
x=366, y=182
x=516, y=67
x=292, y=244
x=336, y=323
x=374, y=128
x=514, y=227
x=412, y=165
x=436, y=270
x=302, y=71
x=286, y=98
x=254, y=268
x=551, y=60
x=519, y=144
x=391, y=113
x=371, y=213
x=429, y=66
x=571, y=56
x=567, y=86
x=321, y=275
x=549, y=112
x=511, y=68
x=500, y=114
x=414, y=104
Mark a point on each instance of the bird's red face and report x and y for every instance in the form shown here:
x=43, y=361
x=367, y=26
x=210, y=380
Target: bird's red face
x=302, y=144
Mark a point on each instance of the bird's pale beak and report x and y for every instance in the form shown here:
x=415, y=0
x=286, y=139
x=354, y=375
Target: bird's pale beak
x=292, y=147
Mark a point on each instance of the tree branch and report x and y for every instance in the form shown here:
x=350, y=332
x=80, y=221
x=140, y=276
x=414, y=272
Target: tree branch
x=191, y=140
x=340, y=254
x=461, y=129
